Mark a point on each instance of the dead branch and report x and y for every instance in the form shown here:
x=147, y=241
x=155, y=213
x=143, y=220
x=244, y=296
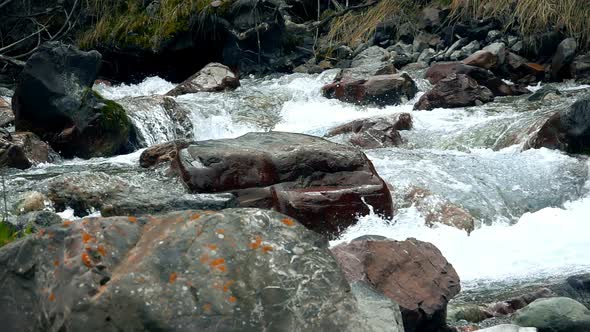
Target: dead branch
x=12, y=61
x=318, y=24
x=5, y=3
x=262, y=27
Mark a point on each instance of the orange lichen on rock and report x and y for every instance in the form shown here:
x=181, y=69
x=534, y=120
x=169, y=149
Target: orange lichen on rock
x=86, y=260
x=102, y=251
x=217, y=262
x=207, y=307
x=288, y=222
x=232, y=299
x=256, y=243
x=132, y=219
x=51, y=297
x=56, y=263
x=173, y=277
x=195, y=216
x=204, y=259
x=220, y=231
x=267, y=248
x=227, y=285
x=212, y=246
x=66, y=223
x=86, y=237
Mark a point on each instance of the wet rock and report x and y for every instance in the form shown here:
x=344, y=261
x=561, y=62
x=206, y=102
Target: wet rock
x=161, y=153
x=484, y=77
x=23, y=150
x=469, y=313
x=557, y=314
x=30, y=202
x=498, y=50
x=6, y=114
x=412, y=273
x=438, y=210
x=184, y=271
x=212, y=78
x=482, y=59
x=508, y=328
x=424, y=41
x=322, y=184
x=470, y=48
x=381, y=90
x=378, y=136
x=457, y=90
x=581, y=68
x=546, y=92
x=86, y=192
x=522, y=70
x=427, y=55
x=54, y=99
x=370, y=62
x=564, y=56
x=567, y=130
x=158, y=119
x=400, y=121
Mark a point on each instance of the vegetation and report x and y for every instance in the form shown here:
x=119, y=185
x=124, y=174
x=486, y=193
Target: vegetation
x=7, y=233
x=129, y=23
x=531, y=17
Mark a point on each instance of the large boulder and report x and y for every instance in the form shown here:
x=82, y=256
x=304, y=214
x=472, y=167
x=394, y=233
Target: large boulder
x=322, y=184
x=482, y=59
x=235, y=270
x=412, y=273
x=567, y=130
x=212, y=78
x=442, y=70
x=23, y=150
x=370, y=62
x=381, y=90
x=457, y=90
x=54, y=99
x=556, y=314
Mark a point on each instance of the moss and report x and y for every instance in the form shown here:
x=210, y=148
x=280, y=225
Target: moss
x=113, y=116
x=8, y=233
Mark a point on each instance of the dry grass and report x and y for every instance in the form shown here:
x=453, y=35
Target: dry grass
x=128, y=23
x=354, y=28
x=533, y=16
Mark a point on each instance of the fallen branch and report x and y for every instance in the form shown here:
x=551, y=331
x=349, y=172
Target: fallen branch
x=5, y=3
x=262, y=27
x=318, y=24
x=12, y=61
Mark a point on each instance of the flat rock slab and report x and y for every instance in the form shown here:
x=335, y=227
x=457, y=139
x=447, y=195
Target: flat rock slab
x=322, y=184
x=235, y=270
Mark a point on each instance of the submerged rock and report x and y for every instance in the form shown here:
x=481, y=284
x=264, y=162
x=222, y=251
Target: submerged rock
x=567, y=130
x=161, y=153
x=54, y=99
x=322, y=184
x=212, y=78
x=412, y=273
x=381, y=90
x=376, y=132
x=23, y=150
x=184, y=271
x=557, y=314
x=456, y=90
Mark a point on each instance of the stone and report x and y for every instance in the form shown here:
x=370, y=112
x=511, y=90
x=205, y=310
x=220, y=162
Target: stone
x=370, y=56
x=214, y=77
x=373, y=133
x=564, y=56
x=30, y=202
x=482, y=59
x=470, y=48
x=383, y=313
x=546, y=92
x=370, y=62
x=441, y=70
x=493, y=35
x=425, y=41
x=455, y=91
x=519, y=69
x=399, y=121
x=557, y=314
x=567, y=130
x=412, y=273
x=37, y=221
x=86, y=192
x=497, y=49
x=427, y=55
x=508, y=328
x=6, y=114
x=184, y=271
x=381, y=136
x=381, y=90
x=54, y=99
x=322, y=184
x=23, y=150
x=161, y=153
x=581, y=68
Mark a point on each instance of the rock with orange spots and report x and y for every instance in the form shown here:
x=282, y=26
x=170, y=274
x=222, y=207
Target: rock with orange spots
x=321, y=184
x=412, y=273
x=175, y=272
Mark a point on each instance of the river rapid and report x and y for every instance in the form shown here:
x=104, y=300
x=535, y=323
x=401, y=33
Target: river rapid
x=532, y=208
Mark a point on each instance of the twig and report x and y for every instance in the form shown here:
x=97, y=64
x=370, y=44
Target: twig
x=12, y=61
x=5, y=3
x=21, y=40
x=318, y=24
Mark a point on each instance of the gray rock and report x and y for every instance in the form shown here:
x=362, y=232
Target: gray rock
x=493, y=35
x=37, y=220
x=557, y=314
x=471, y=48
x=235, y=270
x=566, y=51
x=401, y=48
x=382, y=312
x=508, y=328
x=427, y=55
x=213, y=77
x=511, y=40
x=518, y=47
x=370, y=62
x=457, y=55
x=456, y=46
x=499, y=50
x=544, y=93
x=370, y=56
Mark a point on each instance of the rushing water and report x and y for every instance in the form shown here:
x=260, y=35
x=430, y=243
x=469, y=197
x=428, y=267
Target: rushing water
x=532, y=208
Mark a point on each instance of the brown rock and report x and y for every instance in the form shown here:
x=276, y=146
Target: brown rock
x=457, y=90
x=213, y=77
x=376, y=132
x=23, y=150
x=400, y=121
x=320, y=183
x=442, y=70
x=376, y=137
x=381, y=90
x=482, y=59
x=161, y=153
x=6, y=114
x=412, y=273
